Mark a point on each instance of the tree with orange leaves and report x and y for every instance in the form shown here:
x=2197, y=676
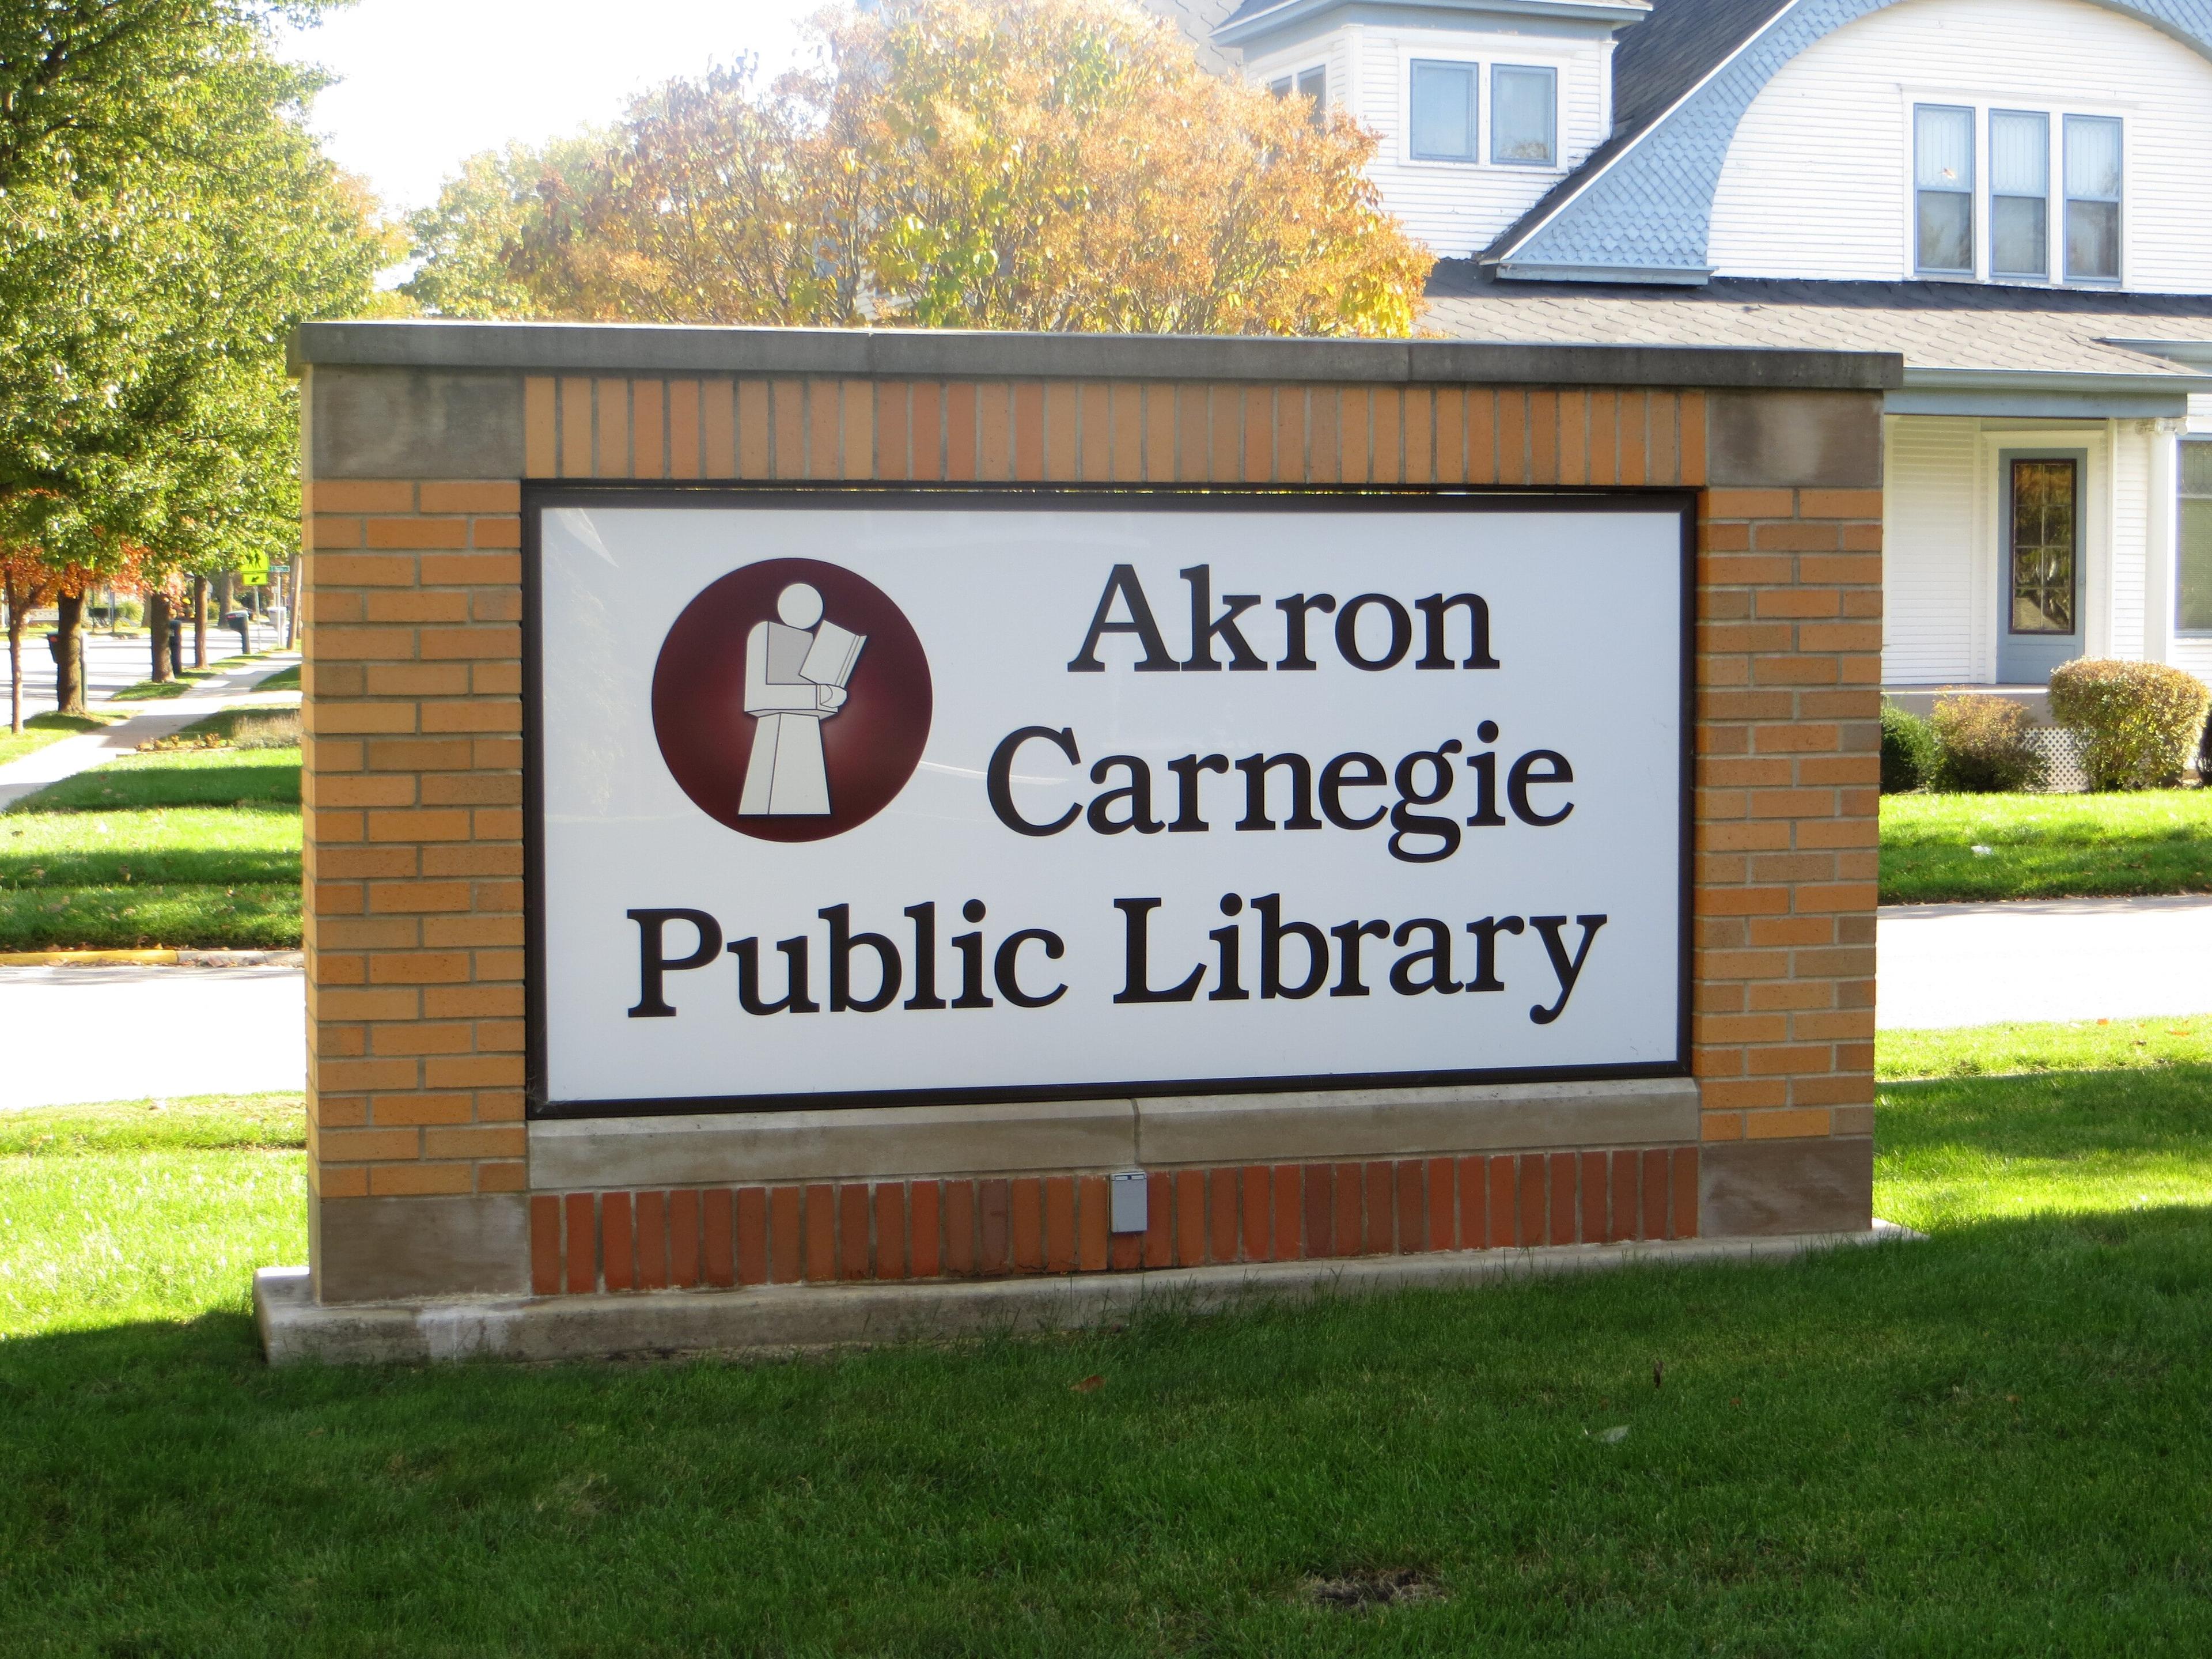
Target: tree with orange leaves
x=1013, y=164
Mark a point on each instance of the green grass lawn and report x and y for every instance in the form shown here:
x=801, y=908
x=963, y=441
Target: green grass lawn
x=196, y=847
x=1992, y=1443
x=2044, y=846
x=178, y=685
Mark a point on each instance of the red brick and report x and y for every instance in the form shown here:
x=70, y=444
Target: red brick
x=1093, y=1224
x=960, y=1228
x=785, y=1264
x=545, y=1245
x=1382, y=1208
x=1221, y=1215
x=653, y=1241
x=1594, y=1196
x=1159, y=1249
x=1623, y=1217
x=1256, y=1233
x=994, y=1218
x=1529, y=1217
x=1060, y=1224
x=684, y=1238
x=1027, y=1217
x=1350, y=1225
x=1560, y=1180
x=617, y=1251
x=925, y=1229
x=1504, y=1203
x=853, y=1231
x=1655, y=1186
x=1471, y=1175
x=1190, y=1218
x=1441, y=1204
x=1412, y=1206
x=1289, y=1209
x=1682, y=1216
x=718, y=1247
x=821, y=1233
x=1320, y=1207
x=890, y=1230
x=583, y=1244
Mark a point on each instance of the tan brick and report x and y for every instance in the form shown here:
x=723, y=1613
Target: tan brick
x=419, y=1180
x=476, y=715
x=419, y=534
x=484, y=1140
x=361, y=496
x=418, y=968
x=366, y=1076
x=349, y=719
x=421, y=755
x=490, y=496
x=438, y=606
x=495, y=605
x=471, y=789
x=393, y=824
x=474, y=1072
x=500, y=1036
x=482, y=1001
x=1744, y=1094
x=1720, y=1125
x=333, y=534
x=363, y=570
x=1839, y=504
x=1794, y=1124
x=472, y=932
x=423, y=1109
x=328, y=1004
x=363, y=644
x=1748, y=504
x=422, y=1038
x=499, y=1106
x=472, y=570
x=339, y=1111
x=418, y=897
x=337, y=1182
x=496, y=679
x=461, y=644
x=418, y=680
x=504, y=1178
x=495, y=532
x=1783, y=537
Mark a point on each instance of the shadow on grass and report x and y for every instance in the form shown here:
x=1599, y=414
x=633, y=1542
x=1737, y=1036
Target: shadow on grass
x=208, y=778
x=1951, y=1446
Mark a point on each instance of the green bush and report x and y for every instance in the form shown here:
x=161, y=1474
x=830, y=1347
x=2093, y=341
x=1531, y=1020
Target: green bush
x=2137, y=722
x=1909, y=753
x=1981, y=746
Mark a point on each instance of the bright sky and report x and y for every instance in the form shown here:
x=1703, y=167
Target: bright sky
x=427, y=82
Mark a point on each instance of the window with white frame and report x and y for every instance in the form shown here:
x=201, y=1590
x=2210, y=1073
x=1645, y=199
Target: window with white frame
x=2019, y=193
x=1524, y=103
x=2092, y=198
x=1943, y=190
x=2193, y=569
x=1442, y=101
x=1310, y=84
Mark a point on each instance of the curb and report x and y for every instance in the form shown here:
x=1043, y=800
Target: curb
x=153, y=959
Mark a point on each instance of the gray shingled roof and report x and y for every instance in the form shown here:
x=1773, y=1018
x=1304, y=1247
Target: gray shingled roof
x=1198, y=19
x=1949, y=326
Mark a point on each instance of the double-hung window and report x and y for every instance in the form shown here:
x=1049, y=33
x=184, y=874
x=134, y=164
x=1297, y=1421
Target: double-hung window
x=2019, y=193
x=1943, y=190
x=1311, y=84
x=1444, y=100
x=2092, y=198
x=1524, y=104
x=2193, y=611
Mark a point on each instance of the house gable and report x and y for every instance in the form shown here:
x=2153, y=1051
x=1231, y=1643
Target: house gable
x=1640, y=210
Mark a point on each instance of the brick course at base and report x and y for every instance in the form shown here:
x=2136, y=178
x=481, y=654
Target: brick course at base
x=420, y=442
x=718, y=1237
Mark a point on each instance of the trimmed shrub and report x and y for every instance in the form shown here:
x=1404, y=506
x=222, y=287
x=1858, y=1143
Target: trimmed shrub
x=1981, y=746
x=2137, y=722
x=1908, y=752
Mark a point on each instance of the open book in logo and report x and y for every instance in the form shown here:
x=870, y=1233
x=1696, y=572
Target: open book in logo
x=813, y=722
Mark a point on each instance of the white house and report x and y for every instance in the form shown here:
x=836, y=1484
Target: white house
x=2011, y=193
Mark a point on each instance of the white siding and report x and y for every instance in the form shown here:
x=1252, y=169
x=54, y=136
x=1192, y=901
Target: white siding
x=2200, y=412
x=1457, y=207
x=2131, y=537
x=1816, y=184
x=1929, y=537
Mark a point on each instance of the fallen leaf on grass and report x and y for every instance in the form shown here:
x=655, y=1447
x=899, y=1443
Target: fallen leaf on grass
x=1612, y=1437
x=1089, y=1385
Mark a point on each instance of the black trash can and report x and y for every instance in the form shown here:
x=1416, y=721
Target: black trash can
x=240, y=621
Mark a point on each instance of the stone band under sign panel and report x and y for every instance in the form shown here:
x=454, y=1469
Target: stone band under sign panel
x=852, y=796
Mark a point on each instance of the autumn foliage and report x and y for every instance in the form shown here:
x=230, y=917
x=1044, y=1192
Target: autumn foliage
x=990, y=164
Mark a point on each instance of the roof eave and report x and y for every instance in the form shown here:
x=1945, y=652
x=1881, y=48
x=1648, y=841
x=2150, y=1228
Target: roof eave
x=1238, y=31
x=1515, y=270
x=2029, y=381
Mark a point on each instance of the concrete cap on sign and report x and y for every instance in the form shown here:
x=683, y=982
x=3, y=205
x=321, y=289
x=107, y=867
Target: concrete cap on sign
x=658, y=349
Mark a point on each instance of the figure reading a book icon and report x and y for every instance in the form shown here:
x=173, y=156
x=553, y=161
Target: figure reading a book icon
x=797, y=669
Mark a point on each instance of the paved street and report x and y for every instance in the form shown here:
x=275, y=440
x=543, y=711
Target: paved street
x=81, y=1034
x=77, y=1034
x=111, y=664
x=1982, y=964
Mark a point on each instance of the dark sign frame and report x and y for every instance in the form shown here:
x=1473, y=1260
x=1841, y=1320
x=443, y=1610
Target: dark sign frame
x=537, y=498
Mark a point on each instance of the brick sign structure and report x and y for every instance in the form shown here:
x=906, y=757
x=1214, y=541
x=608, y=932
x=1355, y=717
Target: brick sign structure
x=457, y=1206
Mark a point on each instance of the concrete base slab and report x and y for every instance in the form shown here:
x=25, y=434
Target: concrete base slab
x=295, y=1328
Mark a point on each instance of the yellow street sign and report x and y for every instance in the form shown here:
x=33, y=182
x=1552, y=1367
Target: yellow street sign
x=253, y=570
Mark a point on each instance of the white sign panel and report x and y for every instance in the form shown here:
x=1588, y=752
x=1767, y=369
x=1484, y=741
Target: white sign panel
x=845, y=798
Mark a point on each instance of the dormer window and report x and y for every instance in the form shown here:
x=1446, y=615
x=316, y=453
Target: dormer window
x=2092, y=199
x=2020, y=194
x=1444, y=100
x=1943, y=179
x=2031, y=239
x=1523, y=116
x=1310, y=84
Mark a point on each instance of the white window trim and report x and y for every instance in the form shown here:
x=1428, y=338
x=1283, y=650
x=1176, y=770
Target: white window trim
x=1478, y=69
x=1267, y=79
x=1982, y=103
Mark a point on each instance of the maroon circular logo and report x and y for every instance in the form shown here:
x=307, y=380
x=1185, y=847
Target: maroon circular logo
x=791, y=700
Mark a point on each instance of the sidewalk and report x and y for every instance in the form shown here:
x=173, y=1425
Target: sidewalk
x=90, y=1034
x=70, y=755
x=2050, y=959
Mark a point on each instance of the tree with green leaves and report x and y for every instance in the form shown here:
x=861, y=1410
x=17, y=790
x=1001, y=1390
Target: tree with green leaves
x=166, y=219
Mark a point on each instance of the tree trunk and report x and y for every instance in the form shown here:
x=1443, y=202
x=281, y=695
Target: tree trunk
x=199, y=622
x=69, y=643
x=157, y=631
x=15, y=596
